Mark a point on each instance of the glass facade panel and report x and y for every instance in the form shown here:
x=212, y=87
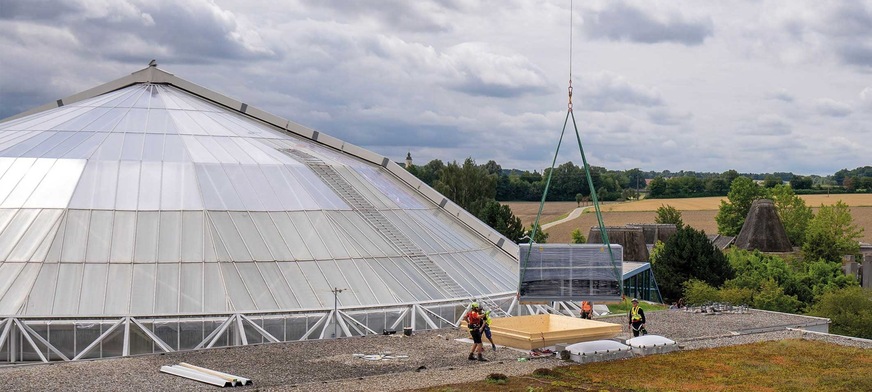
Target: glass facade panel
x=8, y=273
x=214, y=297
x=13, y=175
x=236, y=290
x=426, y=289
x=229, y=236
x=25, y=186
x=158, y=121
x=335, y=278
x=128, y=186
x=167, y=289
x=252, y=238
x=15, y=230
x=392, y=279
x=191, y=288
x=120, y=279
x=291, y=199
x=11, y=301
x=289, y=233
x=21, y=148
x=145, y=250
x=374, y=282
x=149, y=186
x=272, y=238
x=62, y=149
x=100, y=237
x=94, y=281
x=246, y=192
x=123, y=236
x=152, y=148
x=45, y=284
x=69, y=289
x=275, y=282
x=174, y=149
x=143, y=290
x=57, y=187
x=131, y=150
x=261, y=187
x=76, y=236
x=309, y=236
x=320, y=286
x=110, y=148
x=192, y=236
x=360, y=233
x=260, y=292
x=169, y=238
x=323, y=229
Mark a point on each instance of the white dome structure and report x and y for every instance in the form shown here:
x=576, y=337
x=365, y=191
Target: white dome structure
x=150, y=214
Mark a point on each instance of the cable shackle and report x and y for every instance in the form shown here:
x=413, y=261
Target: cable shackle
x=570, y=95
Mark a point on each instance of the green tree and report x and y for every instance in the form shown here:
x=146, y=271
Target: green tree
x=731, y=214
x=697, y=292
x=500, y=217
x=689, y=254
x=578, y=237
x=795, y=215
x=771, y=180
x=818, y=277
x=657, y=188
x=849, y=309
x=540, y=238
x=469, y=186
x=801, y=182
x=831, y=234
x=772, y=297
x=430, y=172
x=578, y=198
x=668, y=214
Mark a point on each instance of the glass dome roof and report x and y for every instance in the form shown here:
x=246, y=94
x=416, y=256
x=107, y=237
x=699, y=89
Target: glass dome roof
x=151, y=200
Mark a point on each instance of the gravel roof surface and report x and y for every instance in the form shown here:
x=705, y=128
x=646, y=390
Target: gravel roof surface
x=434, y=358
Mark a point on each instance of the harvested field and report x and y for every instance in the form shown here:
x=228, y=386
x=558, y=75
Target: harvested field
x=699, y=213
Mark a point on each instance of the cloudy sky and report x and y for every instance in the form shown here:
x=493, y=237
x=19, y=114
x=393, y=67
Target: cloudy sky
x=756, y=86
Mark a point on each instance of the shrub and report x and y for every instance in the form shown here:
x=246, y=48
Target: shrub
x=849, y=309
x=737, y=296
x=697, y=292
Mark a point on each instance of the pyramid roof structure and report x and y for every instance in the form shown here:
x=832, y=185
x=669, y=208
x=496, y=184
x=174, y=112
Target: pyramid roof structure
x=763, y=229
x=151, y=195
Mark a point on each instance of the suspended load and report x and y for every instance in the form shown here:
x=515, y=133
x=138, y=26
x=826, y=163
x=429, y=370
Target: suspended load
x=570, y=272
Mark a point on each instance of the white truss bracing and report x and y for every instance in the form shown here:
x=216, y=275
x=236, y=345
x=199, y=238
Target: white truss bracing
x=20, y=341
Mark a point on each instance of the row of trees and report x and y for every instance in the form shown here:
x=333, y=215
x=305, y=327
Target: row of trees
x=569, y=182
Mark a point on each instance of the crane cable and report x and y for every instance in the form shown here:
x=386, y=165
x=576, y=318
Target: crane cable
x=605, y=236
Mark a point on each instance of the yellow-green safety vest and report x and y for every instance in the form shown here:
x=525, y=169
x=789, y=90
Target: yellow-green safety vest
x=635, y=314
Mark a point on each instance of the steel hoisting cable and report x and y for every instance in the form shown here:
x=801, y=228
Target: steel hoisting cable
x=594, y=198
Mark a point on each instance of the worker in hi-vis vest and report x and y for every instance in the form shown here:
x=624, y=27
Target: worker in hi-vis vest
x=586, y=310
x=637, y=319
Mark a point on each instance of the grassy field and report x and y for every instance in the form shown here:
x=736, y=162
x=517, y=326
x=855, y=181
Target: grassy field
x=699, y=213
x=788, y=365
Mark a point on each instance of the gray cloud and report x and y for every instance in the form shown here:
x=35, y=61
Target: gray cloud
x=417, y=16
x=620, y=21
x=610, y=92
x=451, y=79
x=832, y=108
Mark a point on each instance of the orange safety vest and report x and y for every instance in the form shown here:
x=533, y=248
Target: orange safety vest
x=585, y=306
x=473, y=318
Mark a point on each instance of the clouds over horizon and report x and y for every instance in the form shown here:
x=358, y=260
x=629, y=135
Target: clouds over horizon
x=678, y=85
